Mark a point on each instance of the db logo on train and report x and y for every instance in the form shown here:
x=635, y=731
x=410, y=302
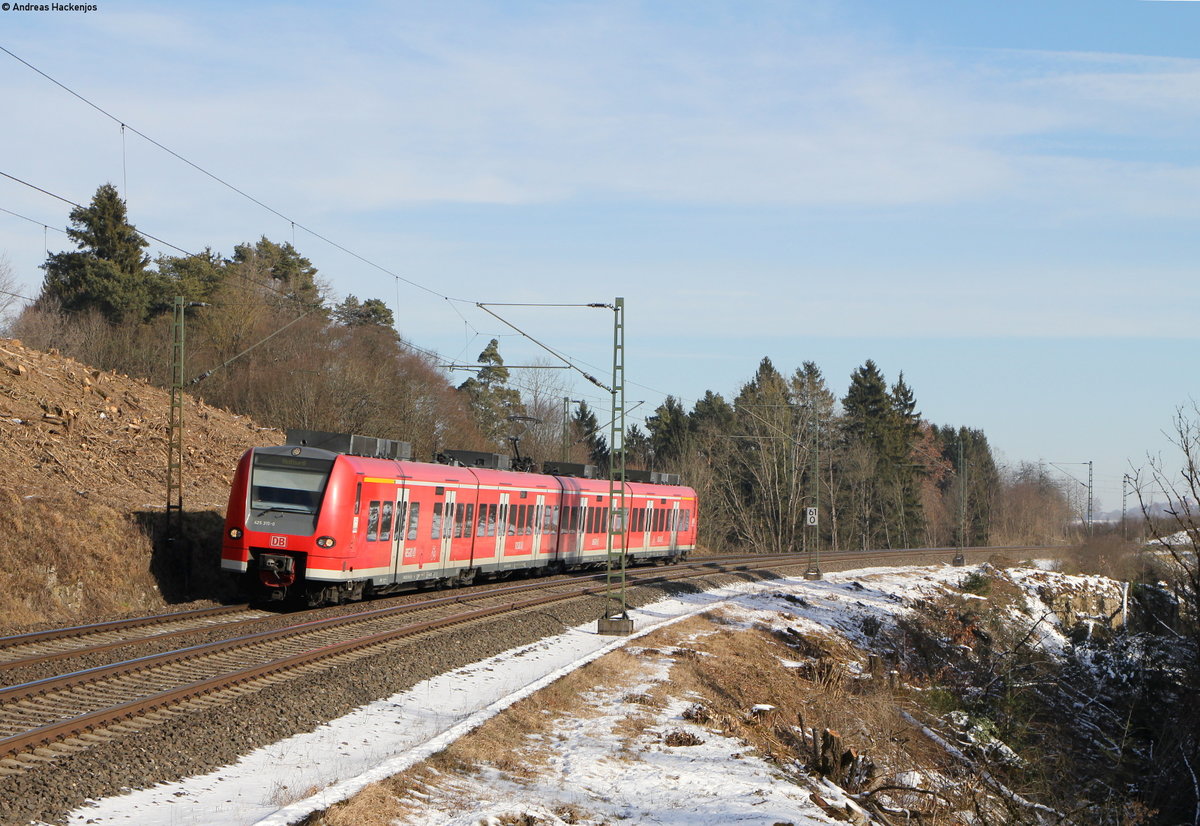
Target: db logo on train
x=278, y=541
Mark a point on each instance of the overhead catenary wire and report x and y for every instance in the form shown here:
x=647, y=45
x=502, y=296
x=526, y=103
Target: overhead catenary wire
x=294, y=224
x=225, y=183
x=80, y=206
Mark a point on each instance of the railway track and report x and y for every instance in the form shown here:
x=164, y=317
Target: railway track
x=58, y=643
x=44, y=720
x=81, y=642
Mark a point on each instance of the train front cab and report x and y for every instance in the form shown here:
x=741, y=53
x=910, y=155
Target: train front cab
x=273, y=524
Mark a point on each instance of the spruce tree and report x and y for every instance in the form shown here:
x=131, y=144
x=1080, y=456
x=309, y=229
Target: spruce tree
x=109, y=271
x=587, y=430
x=668, y=429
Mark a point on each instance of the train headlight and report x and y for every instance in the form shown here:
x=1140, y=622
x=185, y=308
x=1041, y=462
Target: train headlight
x=235, y=533
x=325, y=542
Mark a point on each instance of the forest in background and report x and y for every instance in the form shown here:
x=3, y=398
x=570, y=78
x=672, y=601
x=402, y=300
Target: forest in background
x=265, y=339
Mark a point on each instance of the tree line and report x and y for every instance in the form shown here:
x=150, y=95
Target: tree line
x=267, y=341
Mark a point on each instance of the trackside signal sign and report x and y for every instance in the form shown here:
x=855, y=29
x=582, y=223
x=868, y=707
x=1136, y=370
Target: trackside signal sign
x=810, y=516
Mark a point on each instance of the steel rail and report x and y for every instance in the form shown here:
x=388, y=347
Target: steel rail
x=115, y=625
x=183, y=616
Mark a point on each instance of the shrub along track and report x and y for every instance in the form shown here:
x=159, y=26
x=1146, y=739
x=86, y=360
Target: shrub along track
x=280, y=689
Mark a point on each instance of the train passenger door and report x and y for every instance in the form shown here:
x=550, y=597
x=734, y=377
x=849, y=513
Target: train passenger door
x=648, y=528
x=447, y=530
x=674, y=526
x=581, y=534
x=399, y=531
x=539, y=522
x=501, y=526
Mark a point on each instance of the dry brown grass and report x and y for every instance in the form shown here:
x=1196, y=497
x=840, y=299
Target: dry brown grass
x=724, y=670
x=70, y=560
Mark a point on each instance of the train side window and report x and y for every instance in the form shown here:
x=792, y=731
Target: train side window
x=685, y=520
x=469, y=522
x=551, y=519
x=531, y=520
x=639, y=520
x=491, y=520
x=605, y=524
x=373, y=521
x=510, y=519
x=520, y=521
x=385, y=527
x=414, y=518
x=482, y=528
x=436, y=528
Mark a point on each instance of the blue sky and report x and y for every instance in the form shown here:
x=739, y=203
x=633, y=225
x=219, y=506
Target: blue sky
x=998, y=200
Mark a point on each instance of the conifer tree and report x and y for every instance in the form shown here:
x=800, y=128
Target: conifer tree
x=370, y=313
x=668, y=430
x=108, y=272
x=587, y=430
x=283, y=273
x=711, y=416
x=491, y=400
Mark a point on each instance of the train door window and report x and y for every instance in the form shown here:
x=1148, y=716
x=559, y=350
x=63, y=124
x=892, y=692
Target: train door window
x=401, y=509
x=435, y=531
x=470, y=520
x=373, y=521
x=620, y=515
x=385, y=526
x=414, y=518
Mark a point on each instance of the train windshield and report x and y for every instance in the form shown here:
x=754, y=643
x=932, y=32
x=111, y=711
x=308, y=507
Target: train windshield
x=293, y=484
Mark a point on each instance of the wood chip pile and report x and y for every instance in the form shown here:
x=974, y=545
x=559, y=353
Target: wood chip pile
x=68, y=431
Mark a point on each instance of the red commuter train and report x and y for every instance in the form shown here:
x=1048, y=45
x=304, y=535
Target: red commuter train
x=326, y=526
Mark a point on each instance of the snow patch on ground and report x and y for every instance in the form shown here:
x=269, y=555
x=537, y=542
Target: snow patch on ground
x=652, y=783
